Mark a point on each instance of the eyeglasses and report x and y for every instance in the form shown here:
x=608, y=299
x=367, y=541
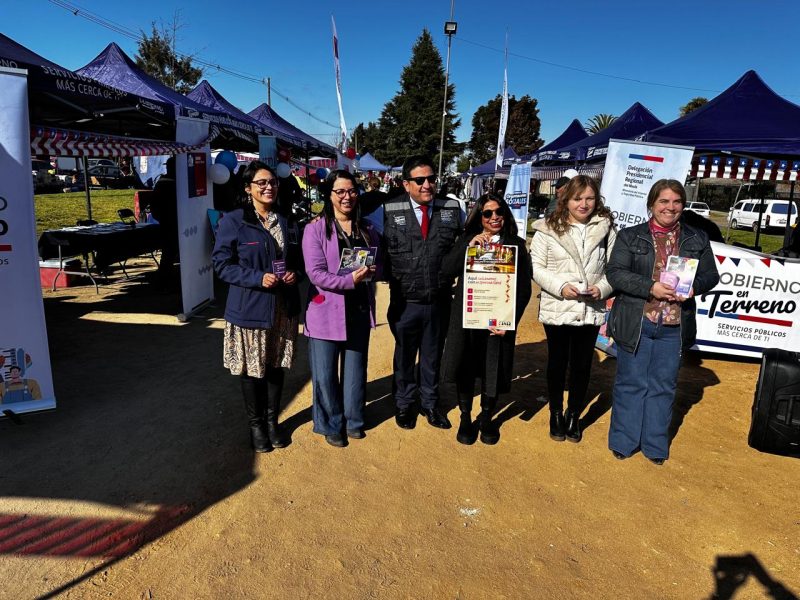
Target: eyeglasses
x=352, y=192
x=262, y=183
x=487, y=214
x=421, y=180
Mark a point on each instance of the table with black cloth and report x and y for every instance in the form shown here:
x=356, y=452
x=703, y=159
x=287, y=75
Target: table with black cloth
x=106, y=242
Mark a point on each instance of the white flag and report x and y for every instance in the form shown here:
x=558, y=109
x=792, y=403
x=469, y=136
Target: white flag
x=343, y=141
x=501, y=136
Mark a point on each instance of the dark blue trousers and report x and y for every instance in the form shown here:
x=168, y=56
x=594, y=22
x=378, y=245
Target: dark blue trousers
x=644, y=392
x=418, y=329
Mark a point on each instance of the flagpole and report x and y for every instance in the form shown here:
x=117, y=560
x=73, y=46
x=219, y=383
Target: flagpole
x=342, y=125
x=501, y=134
x=449, y=29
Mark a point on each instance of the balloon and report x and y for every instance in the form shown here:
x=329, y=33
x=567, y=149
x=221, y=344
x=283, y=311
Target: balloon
x=351, y=153
x=313, y=178
x=227, y=158
x=283, y=170
x=322, y=172
x=220, y=174
x=358, y=157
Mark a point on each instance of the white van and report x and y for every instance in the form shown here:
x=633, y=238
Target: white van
x=744, y=214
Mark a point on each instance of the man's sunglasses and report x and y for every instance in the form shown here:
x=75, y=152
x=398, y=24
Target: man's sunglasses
x=421, y=180
x=487, y=214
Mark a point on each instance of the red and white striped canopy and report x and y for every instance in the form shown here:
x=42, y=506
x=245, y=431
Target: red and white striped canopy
x=753, y=169
x=65, y=142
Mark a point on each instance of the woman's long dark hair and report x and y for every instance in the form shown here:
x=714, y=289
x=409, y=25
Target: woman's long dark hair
x=325, y=191
x=474, y=225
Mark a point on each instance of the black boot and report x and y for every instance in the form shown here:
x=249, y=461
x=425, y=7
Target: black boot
x=274, y=391
x=557, y=425
x=467, y=432
x=254, y=407
x=490, y=433
x=573, y=426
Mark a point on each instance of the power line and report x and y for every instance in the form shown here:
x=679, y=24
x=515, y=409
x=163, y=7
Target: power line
x=598, y=73
x=138, y=36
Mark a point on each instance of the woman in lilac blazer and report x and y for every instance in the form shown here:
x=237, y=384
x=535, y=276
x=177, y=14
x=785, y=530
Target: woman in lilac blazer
x=341, y=310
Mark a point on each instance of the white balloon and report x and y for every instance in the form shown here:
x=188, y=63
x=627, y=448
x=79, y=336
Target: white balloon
x=220, y=174
x=283, y=170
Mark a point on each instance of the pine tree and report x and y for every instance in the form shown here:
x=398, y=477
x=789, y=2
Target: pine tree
x=156, y=56
x=411, y=122
x=522, y=132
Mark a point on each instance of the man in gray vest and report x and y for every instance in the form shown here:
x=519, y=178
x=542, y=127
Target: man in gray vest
x=419, y=229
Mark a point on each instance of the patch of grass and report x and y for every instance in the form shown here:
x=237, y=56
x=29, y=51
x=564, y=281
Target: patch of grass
x=769, y=242
x=54, y=211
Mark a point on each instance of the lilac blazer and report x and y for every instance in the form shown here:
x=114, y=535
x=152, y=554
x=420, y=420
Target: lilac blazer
x=325, y=315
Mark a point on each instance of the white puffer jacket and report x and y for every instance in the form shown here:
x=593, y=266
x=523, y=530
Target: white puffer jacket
x=576, y=259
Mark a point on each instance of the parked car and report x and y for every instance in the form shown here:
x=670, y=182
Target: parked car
x=701, y=208
x=744, y=214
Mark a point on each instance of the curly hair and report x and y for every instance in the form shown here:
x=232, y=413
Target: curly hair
x=558, y=220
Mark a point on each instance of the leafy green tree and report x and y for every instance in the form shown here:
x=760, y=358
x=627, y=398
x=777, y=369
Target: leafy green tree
x=522, y=131
x=156, y=56
x=464, y=162
x=411, y=122
x=692, y=104
x=364, y=138
x=598, y=122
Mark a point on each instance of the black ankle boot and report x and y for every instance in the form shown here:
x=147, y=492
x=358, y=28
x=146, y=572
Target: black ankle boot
x=254, y=408
x=467, y=432
x=573, y=432
x=490, y=432
x=557, y=426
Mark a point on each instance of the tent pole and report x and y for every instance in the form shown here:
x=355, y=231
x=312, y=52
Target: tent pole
x=308, y=166
x=787, y=234
x=86, y=187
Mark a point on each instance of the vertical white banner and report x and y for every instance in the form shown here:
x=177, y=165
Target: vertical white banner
x=501, y=134
x=516, y=196
x=194, y=231
x=27, y=379
x=631, y=170
x=342, y=125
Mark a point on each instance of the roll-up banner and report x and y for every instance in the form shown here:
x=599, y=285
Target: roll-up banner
x=631, y=170
x=516, y=196
x=26, y=380
x=194, y=230
x=268, y=150
x=755, y=305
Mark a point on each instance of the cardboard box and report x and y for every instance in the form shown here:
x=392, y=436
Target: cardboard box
x=48, y=269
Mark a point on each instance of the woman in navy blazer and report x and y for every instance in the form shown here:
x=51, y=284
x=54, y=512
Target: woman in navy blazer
x=341, y=311
x=257, y=252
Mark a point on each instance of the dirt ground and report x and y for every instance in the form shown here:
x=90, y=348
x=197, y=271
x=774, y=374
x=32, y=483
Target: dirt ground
x=142, y=485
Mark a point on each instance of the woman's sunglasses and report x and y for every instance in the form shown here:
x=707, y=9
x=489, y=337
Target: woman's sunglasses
x=487, y=214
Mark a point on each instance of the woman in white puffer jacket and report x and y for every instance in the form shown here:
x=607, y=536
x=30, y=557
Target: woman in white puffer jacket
x=569, y=252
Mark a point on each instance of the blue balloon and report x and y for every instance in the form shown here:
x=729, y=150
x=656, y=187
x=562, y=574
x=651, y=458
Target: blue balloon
x=227, y=158
x=322, y=172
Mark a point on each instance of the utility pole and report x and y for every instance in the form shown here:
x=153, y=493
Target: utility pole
x=450, y=28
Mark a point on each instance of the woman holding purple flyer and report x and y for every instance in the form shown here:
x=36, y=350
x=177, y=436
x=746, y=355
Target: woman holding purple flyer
x=257, y=252
x=339, y=250
x=569, y=251
x=653, y=319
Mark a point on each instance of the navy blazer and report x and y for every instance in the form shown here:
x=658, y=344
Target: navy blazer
x=243, y=252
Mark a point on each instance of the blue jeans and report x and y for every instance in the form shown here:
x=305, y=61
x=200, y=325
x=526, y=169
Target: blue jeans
x=644, y=392
x=339, y=380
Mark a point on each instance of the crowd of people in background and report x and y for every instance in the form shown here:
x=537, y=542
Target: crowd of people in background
x=421, y=232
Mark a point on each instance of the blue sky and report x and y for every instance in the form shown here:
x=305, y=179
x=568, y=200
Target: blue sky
x=702, y=45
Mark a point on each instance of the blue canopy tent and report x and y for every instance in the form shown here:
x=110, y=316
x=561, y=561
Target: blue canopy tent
x=115, y=68
x=489, y=167
x=368, y=163
x=267, y=116
x=58, y=97
x=748, y=117
x=632, y=123
x=572, y=134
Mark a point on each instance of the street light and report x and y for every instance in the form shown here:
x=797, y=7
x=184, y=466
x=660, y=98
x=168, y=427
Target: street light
x=450, y=28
